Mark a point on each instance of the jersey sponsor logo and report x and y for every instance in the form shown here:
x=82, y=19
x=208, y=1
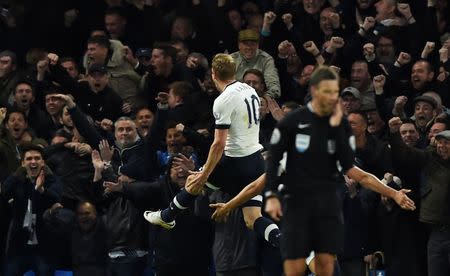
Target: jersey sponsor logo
x=276, y=136
x=302, y=142
x=352, y=142
x=331, y=146
x=302, y=126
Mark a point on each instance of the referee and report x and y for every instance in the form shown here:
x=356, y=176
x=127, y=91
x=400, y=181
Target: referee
x=319, y=149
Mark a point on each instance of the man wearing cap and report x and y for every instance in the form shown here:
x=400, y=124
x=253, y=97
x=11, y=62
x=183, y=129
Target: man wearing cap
x=94, y=97
x=8, y=76
x=123, y=79
x=250, y=56
x=434, y=164
x=351, y=99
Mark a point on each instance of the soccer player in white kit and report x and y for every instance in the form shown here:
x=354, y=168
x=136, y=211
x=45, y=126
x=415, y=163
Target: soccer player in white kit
x=234, y=159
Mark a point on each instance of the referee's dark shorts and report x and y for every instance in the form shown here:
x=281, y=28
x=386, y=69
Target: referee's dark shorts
x=232, y=174
x=312, y=220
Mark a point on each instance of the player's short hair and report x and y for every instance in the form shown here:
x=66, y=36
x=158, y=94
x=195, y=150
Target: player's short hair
x=322, y=73
x=224, y=67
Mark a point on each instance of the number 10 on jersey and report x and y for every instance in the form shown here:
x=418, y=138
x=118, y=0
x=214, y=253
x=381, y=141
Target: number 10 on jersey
x=253, y=110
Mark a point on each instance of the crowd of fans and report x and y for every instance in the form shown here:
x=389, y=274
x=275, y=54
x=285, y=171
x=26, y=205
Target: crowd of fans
x=105, y=107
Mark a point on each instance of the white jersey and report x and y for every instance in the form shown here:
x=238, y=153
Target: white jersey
x=237, y=109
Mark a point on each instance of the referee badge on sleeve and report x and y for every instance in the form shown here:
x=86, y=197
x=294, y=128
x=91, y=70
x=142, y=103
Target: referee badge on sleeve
x=302, y=142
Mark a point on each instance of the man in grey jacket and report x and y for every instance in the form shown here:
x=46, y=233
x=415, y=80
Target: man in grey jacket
x=250, y=56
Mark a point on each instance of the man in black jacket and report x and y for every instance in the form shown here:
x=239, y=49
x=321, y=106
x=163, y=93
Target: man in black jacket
x=94, y=96
x=32, y=189
x=130, y=155
x=71, y=161
x=87, y=234
x=163, y=71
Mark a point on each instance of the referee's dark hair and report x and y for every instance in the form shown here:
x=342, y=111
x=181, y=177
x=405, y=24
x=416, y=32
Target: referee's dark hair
x=322, y=73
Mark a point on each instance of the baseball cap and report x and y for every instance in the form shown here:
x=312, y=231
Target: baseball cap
x=248, y=35
x=443, y=134
x=96, y=67
x=351, y=91
x=426, y=99
x=144, y=52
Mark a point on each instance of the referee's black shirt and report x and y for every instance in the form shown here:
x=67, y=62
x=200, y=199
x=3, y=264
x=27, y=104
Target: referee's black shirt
x=313, y=150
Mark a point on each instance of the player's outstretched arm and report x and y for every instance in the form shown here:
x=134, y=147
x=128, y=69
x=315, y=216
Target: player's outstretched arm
x=369, y=181
x=251, y=190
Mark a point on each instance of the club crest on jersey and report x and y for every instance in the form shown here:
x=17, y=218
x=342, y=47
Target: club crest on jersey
x=331, y=146
x=276, y=136
x=302, y=142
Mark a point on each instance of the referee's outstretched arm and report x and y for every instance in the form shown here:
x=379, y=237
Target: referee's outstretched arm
x=369, y=181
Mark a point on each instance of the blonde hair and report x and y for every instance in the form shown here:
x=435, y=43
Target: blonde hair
x=224, y=67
